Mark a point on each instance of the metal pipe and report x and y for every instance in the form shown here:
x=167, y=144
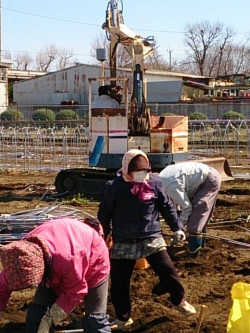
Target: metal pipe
x=43, y=195
x=224, y=226
x=227, y=221
x=226, y=240
x=70, y=331
x=89, y=215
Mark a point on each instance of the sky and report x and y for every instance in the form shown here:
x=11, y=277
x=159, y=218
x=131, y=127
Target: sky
x=31, y=25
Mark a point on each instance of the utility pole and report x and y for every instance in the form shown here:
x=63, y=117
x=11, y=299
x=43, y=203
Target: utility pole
x=170, y=57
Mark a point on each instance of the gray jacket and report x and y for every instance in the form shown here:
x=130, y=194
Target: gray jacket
x=181, y=181
x=104, y=101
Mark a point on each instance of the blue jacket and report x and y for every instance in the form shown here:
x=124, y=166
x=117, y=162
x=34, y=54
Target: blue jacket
x=132, y=219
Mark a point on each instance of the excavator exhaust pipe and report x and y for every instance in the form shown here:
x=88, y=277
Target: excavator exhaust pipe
x=218, y=163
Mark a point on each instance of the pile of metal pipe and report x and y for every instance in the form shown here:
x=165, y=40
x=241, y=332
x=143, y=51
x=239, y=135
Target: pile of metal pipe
x=16, y=225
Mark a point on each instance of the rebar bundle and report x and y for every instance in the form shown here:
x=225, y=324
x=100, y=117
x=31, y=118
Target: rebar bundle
x=16, y=225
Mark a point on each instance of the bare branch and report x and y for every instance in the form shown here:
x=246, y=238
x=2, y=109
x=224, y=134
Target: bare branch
x=45, y=57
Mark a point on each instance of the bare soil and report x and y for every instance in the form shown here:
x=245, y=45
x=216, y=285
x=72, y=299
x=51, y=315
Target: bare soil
x=207, y=280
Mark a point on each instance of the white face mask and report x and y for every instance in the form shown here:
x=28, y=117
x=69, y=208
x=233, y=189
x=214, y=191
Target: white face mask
x=140, y=176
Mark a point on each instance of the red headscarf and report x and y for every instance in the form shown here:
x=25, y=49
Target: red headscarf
x=24, y=263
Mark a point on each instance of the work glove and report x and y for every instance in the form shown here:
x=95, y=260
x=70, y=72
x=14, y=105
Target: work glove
x=55, y=315
x=179, y=236
x=45, y=323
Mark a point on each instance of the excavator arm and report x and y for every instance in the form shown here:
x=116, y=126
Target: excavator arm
x=137, y=47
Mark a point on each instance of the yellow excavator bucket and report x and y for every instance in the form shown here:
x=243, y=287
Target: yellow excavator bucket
x=220, y=164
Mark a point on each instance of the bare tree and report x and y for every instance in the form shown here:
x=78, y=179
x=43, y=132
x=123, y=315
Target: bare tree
x=101, y=42
x=6, y=54
x=17, y=61
x=200, y=37
x=64, y=55
x=241, y=56
x=155, y=61
x=23, y=61
x=225, y=40
x=46, y=57
x=187, y=66
x=235, y=59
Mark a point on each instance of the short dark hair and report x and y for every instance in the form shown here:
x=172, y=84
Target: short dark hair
x=104, y=90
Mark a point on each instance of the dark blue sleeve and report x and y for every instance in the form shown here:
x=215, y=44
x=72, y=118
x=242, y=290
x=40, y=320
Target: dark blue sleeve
x=106, y=208
x=167, y=208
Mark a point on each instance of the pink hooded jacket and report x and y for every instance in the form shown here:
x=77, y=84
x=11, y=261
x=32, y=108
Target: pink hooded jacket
x=80, y=261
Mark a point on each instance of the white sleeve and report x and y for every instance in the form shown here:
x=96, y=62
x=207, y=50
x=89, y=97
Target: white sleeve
x=179, y=196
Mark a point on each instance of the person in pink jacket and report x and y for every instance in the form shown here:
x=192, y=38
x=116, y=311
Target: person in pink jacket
x=68, y=261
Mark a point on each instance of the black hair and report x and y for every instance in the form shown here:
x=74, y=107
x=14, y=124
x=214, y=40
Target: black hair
x=104, y=90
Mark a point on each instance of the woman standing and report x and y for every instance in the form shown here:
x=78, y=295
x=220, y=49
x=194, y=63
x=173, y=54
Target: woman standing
x=130, y=208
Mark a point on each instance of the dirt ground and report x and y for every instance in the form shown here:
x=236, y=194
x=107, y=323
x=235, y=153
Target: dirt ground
x=207, y=280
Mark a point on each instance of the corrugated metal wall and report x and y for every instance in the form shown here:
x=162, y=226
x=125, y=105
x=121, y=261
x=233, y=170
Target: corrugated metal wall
x=72, y=84
x=52, y=88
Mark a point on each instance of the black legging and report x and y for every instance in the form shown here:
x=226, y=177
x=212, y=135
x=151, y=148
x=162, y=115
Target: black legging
x=121, y=272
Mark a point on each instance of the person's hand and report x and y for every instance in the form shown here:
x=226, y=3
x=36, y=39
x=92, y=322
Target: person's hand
x=109, y=241
x=179, y=236
x=45, y=323
x=57, y=314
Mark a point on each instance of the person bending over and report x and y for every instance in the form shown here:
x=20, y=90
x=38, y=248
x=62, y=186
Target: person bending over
x=69, y=261
x=194, y=188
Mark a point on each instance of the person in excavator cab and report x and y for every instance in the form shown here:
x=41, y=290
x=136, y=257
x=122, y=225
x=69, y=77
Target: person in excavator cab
x=118, y=93
x=67, y=261
x=130, y=209
x=194, y=188
x=104, y=100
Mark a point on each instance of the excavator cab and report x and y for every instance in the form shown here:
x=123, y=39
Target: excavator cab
x=114, y=131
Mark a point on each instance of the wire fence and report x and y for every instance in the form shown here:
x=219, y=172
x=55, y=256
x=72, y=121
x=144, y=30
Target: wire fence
x=59, y=145
x=230, y=139
x=213, y=110
x=48, y=146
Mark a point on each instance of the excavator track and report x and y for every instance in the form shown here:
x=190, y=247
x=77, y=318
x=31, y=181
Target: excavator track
x=90, y=182
x=85, y=181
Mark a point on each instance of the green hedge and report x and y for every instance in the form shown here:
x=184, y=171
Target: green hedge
x=233, y=115
x=197, y=116
x=12, y=115
x=66, y=115
x=43, y=114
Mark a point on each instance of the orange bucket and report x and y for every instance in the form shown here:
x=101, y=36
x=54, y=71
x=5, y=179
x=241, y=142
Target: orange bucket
x=141, y=264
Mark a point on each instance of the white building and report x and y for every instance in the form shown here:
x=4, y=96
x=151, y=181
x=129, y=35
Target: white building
x=5, y=64
x=72, y=84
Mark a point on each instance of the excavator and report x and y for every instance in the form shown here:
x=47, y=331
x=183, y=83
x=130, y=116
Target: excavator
x=114, y=131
